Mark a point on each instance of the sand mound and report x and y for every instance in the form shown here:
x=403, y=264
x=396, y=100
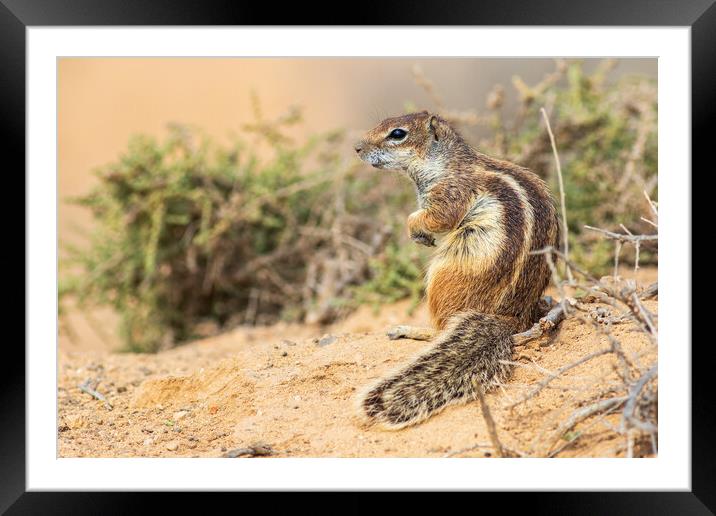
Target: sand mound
x=223, y=385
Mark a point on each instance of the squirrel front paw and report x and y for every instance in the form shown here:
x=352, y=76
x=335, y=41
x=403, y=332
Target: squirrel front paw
x=422, y=238
x=416, y=229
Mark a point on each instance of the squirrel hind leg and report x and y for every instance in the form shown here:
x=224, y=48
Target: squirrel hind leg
x=473, y=350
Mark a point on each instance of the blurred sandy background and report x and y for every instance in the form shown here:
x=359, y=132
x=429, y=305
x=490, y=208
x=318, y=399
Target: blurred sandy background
x=103, y=101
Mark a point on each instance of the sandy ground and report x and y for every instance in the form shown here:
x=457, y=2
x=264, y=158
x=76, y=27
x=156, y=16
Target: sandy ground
x=292, y=388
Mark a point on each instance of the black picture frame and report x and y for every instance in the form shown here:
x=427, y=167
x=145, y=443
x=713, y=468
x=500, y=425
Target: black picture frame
x=16, y=15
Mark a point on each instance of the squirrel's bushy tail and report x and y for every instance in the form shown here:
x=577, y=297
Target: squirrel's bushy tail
x=469, y=350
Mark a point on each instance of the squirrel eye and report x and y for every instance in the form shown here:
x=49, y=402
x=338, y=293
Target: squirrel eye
x=397, y=134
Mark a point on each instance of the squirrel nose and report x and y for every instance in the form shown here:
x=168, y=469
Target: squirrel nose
x=358, y=148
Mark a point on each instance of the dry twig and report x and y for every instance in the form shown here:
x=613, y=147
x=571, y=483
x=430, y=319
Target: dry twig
x=86, y=388
x=562, y=201
x=487, y=415
x=604, y=406
x=545, y=325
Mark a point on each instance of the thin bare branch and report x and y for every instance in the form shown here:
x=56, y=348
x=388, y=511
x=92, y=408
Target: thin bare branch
x=422, y=80
x=491, y=427
x=580, y=415
x=541, y=385
x=561, y=192
x=628, y=417
x=622, y=237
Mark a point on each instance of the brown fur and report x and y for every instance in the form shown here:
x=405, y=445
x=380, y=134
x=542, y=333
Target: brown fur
x=482, y=284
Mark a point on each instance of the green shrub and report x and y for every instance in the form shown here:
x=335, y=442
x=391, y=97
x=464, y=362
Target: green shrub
x=190, y=234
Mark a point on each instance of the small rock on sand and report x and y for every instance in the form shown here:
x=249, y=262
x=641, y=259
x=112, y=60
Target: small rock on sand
x=326, y=340
x=74, y=421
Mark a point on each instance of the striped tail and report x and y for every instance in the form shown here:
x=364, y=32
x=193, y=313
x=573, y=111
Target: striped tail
x=470, y=350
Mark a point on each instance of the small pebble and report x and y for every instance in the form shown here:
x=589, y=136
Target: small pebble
x=326, y=340
x=255, y=450
x=75, y=421
x=172, y=446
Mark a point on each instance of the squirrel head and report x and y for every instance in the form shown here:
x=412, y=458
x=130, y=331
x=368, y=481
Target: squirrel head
x=406, y=142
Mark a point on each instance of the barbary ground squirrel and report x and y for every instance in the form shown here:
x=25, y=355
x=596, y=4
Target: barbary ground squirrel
x=482, y=284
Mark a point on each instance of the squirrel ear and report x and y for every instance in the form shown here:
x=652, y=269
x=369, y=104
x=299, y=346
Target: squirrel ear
x=436, y=127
